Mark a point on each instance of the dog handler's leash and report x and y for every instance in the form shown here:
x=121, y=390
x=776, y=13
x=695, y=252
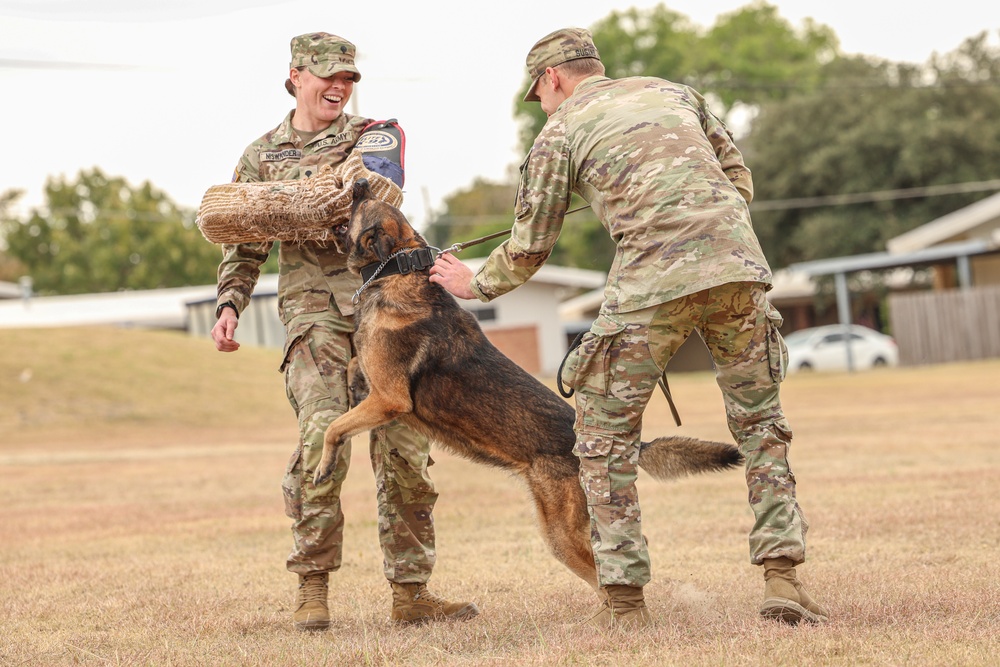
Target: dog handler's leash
x=458, y=247
x=568, y=392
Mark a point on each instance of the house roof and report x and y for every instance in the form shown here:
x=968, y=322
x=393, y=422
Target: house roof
x=10, y=290
x=168, y=307
x=888, y=260
x=141, y=308
x=978, y=220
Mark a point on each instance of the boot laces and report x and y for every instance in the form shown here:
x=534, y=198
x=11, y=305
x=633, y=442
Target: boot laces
x=426, y=596
x=312, y=589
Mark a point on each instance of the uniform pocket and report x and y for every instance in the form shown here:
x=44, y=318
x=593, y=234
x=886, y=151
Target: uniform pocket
x=593, y=452
x=777, y=351
x=590, y=367
x=522, y=207
x=292, y=338
x=291, y=486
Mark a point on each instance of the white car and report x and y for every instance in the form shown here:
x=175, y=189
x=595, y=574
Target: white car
x=824, y=348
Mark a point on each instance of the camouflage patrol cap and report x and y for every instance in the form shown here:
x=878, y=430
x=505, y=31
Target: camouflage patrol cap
x=557, y=48
x=324, y=54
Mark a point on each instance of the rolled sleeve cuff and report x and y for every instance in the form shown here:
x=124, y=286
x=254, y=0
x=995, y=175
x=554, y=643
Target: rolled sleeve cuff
x=231, y=297
x=479, y=291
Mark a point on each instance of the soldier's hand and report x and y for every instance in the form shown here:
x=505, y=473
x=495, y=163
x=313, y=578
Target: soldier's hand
x=222, y=332
x=450, y=273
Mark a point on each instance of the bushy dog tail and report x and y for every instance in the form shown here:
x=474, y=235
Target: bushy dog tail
x=675, y=456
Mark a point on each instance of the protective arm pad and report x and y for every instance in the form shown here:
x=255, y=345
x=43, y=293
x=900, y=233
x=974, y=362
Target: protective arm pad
x=382, y=145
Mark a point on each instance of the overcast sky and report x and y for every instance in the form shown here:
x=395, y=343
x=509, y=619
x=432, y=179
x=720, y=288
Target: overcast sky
x=182, y=86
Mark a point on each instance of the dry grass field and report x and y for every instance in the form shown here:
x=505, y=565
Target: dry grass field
x=141, y=524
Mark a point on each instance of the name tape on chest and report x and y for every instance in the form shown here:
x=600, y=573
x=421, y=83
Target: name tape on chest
x=278, y=156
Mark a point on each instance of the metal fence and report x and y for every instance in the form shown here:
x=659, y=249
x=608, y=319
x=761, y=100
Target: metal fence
x=944, y=326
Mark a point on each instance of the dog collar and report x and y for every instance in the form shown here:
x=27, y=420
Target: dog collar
x=400, y=263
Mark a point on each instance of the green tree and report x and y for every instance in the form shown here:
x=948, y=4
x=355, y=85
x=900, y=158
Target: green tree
x=752, y=55
x=97, y=234
x=11, y=269
x=874, y=126
x=482, y=208
x=747, y=57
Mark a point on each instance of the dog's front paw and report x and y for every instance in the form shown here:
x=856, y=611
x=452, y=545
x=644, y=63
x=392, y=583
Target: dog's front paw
x=324, y=471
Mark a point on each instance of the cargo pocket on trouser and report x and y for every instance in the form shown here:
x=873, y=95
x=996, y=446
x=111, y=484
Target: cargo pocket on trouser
x=607, y=475
x=777, y=351
x=291, y=485
x=405, y=458
x=316, y=386
x=593, y=451
x=405, y=496
x=588, y=368
x=780, y=526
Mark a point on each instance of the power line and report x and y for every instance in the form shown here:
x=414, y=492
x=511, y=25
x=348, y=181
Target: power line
x=882, y=195
x=770, y=205
x=809, y=202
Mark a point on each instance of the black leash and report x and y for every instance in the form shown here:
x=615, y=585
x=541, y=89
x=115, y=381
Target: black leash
x=568, y=393
x=457, y=247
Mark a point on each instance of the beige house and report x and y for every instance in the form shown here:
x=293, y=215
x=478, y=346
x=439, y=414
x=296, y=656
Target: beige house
x=959, y=317
x=975, y=225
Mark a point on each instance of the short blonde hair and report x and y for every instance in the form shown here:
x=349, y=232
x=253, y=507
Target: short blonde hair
x=581, y=67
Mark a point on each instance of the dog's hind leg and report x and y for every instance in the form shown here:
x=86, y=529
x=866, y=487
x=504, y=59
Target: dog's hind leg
x=565, y=522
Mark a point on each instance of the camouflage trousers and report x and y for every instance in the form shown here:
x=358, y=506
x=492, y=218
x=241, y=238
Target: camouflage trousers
x=615, y=371
x=316, y=384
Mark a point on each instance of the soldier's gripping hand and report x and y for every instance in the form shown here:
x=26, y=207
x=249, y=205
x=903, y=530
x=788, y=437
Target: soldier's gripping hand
x=450, y=273
x=222, y=332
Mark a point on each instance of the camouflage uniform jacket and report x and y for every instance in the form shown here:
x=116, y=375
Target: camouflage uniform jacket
x=661, y=173
x=311, y=275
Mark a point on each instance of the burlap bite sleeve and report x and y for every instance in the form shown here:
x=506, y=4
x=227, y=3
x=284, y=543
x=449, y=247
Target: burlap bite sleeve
x=301, y=210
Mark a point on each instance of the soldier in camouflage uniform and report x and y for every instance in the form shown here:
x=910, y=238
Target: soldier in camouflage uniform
x=314, y=302
x=668, y=183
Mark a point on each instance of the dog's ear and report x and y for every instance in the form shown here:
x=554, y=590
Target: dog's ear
x=382, y=243
x=374, y=240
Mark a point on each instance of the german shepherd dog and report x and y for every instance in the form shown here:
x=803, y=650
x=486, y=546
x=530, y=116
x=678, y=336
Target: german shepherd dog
x=426, y=362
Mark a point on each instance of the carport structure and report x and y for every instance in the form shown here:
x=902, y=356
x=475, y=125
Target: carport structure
x=960, y=237
x=960, y=253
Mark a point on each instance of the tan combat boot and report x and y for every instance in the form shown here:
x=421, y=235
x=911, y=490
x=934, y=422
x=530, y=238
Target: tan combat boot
x=623, y=607
x=785, y=599
x=311, y=612
x=413, y=603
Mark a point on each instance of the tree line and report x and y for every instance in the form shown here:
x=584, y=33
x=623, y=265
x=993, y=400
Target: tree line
x=810, y=121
